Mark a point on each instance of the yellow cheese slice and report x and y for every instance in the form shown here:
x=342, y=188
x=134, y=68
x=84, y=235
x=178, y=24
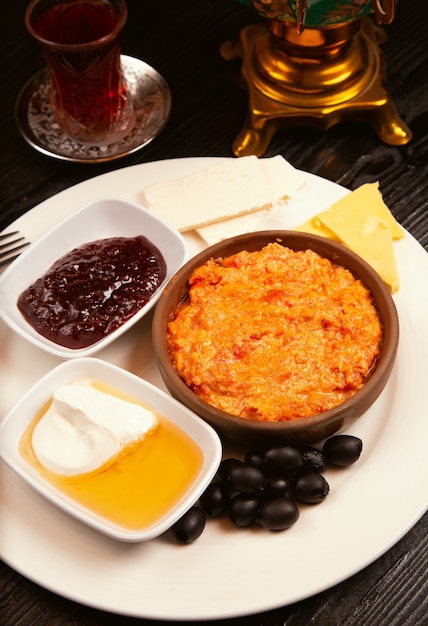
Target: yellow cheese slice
x=363, y=202
x=362, y=221
x=371, y=238
x=315, y=227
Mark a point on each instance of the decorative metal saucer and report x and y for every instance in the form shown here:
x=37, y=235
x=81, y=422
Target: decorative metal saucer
x=152, y=105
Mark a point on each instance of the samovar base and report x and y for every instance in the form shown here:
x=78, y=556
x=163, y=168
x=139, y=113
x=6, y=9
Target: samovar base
x=319, y=78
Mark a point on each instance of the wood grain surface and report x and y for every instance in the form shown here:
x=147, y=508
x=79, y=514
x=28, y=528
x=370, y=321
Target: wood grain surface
x=181, y=39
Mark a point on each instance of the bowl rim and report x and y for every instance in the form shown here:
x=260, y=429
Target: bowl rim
x=303, y=241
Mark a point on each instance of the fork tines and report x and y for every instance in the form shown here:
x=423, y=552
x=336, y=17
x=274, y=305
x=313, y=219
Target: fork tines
x=14, y=242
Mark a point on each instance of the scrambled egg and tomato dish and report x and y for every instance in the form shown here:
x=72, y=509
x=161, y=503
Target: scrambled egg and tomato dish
x=275, y=335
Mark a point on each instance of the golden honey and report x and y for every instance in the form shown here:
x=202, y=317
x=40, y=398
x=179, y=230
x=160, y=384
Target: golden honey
x=145, y=481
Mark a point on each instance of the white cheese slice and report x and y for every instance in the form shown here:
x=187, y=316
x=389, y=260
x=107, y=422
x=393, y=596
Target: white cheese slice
x=213, y=233
x=282, y=180
x=224, y=191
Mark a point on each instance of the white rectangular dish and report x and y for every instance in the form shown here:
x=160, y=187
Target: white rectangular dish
x=25, y=410
x=98, y=220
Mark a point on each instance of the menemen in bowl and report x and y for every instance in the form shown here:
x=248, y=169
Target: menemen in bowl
x=275, y=335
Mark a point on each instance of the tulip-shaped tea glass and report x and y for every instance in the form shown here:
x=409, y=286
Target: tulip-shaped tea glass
x=80, y=40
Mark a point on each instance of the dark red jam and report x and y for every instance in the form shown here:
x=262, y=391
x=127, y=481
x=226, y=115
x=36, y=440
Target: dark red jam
x=92, y=290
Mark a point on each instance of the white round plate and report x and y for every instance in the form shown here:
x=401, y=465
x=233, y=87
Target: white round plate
x=227, y=572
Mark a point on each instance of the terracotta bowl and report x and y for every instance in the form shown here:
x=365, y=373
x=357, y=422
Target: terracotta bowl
x=304, y=430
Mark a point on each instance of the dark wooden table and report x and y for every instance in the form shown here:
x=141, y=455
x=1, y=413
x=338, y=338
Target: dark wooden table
x=181, y=39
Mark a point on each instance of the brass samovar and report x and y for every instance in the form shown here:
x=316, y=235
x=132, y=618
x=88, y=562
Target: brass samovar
x=315, y=62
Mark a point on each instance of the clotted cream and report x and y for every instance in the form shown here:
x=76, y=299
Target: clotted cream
x=85, y=428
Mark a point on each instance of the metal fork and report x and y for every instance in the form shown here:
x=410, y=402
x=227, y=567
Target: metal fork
x=11, y=245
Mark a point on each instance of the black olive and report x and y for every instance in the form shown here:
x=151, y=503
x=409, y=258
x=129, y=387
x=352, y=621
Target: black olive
x=342, y=450
x=244, y=509
x=246, y=478
x=190, y=526
x=215, y=499
x=284, y=458
x=277, y=487
x=256, y=457
x=310, y=487
x=313, y=459
x=278, y=514
x=225, y=467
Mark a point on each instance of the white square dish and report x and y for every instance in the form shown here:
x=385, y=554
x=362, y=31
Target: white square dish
x=102, y=219
x=24, y=412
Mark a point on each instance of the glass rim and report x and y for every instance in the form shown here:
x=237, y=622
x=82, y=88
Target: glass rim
x=93, y=43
